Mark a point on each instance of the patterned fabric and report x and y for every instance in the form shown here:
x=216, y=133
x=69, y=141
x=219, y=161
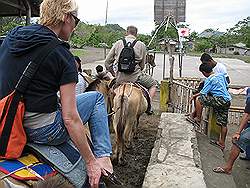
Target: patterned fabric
x=220, y=107
x=244, y=141
x=36, y=168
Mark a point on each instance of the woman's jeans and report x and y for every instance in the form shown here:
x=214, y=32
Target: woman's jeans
x=92, y=109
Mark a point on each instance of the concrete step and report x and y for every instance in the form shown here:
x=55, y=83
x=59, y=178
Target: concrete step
x=178, y=162
x=175, y=160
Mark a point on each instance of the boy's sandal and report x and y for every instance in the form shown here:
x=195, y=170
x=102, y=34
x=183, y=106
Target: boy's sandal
x=190, y=119
x=110, y=178
x=193, y=121
x=221, y=170
x=216, y=143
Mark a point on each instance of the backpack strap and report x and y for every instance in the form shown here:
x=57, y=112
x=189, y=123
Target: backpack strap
x=21, y=86
x=124, y=42
x=133, y=43
x=34, y=64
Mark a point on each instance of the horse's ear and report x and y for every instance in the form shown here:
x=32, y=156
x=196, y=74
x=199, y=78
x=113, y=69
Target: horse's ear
x=111, y=83
x=89, y=79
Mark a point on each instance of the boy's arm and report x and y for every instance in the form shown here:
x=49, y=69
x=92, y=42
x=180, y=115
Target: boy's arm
x=207, y=87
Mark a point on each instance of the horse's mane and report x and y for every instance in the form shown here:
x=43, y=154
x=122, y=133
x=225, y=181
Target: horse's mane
x=92, y=86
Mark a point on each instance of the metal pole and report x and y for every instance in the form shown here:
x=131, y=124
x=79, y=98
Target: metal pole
x=171, y=61
x=171, y=76
x=105, y=49
x=180, y=63
x=164, y=61
x=28, y=11
x=106, y=16
x=157, y=30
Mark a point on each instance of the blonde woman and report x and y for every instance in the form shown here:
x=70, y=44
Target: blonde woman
x=44, y=122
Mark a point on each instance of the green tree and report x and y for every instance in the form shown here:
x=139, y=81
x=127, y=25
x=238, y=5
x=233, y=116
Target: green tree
x=239, y=33
x=8, y=23
x=202, y=45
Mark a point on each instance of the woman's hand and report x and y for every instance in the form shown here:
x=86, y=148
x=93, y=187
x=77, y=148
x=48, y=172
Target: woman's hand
x=94, y=173
x=236, y=136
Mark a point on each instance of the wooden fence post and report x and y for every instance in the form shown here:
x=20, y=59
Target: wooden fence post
x=164, y=95
x=213, y=128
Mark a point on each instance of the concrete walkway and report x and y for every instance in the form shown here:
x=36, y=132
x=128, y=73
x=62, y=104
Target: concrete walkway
x=175, y=160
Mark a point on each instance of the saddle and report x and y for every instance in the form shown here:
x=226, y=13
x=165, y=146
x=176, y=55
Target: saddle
x=146, y=95
x=63, y=158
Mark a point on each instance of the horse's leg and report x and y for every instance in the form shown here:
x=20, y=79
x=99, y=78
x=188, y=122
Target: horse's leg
x=114, y=157
x=136, y=127
x=121, y=160
x=128, y=133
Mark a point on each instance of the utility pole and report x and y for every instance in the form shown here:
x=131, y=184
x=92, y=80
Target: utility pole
x=106, y=16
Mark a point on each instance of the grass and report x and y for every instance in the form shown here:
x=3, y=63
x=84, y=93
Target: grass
x=240, y=57
x=79, y=52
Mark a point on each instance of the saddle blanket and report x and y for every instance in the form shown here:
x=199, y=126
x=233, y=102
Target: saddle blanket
x=26, y=168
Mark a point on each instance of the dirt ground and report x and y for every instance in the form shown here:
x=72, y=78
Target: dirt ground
x=137, y=158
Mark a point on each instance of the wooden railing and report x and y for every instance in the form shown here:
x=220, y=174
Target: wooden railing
x=235, y=115
x=175, y=98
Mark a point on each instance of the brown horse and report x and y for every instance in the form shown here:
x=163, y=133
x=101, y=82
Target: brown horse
x=129, y=105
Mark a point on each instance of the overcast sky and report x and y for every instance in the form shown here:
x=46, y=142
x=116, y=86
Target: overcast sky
x=200, y=14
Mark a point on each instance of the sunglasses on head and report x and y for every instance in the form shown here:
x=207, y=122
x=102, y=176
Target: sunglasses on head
x=77, y=20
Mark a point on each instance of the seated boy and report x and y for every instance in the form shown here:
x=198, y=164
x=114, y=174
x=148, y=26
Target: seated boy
x=214, y=94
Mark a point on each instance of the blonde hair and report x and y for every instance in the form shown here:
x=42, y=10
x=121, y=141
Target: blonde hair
x=52, y=12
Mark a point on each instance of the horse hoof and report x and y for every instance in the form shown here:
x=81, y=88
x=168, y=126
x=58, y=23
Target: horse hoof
x=114, y=161
x=122, y=162
x=129, y=146
x=136, y=136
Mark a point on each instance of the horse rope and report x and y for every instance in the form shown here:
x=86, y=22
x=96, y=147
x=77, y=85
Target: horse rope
x=113, y=112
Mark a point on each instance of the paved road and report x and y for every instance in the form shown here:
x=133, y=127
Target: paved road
x=238, y=70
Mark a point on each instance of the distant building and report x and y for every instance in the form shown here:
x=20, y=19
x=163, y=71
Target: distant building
x=164, y=8
x=236, y=49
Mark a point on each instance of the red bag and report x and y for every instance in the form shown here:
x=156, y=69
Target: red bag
x=12, y=134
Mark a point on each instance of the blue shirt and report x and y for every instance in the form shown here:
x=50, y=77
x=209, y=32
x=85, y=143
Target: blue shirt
x=216, y=84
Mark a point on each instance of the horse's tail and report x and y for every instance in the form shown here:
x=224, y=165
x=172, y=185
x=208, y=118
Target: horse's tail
x=123, y=115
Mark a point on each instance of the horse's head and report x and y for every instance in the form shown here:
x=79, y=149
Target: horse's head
x=93, y=85
x=150, y=59
x=104, y=87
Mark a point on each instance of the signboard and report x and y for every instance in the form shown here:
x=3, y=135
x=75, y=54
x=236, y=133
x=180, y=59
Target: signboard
x=184, y=32
x=164, y=8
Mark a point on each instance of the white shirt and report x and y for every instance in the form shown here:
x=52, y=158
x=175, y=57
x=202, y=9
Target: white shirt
x=220, y=68
x=81, y=85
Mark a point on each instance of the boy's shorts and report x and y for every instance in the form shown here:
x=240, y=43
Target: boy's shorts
x=220, y=107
